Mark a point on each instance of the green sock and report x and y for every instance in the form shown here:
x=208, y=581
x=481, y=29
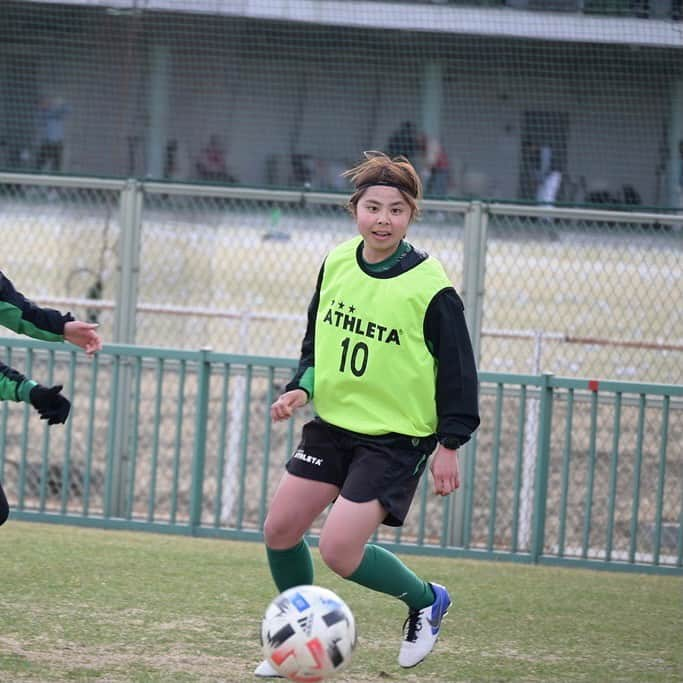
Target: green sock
x=382, y=571
x=291, y=567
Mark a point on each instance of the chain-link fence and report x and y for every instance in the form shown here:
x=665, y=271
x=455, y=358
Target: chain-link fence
x=573, y=292
x=488, y=98
x=592, y=295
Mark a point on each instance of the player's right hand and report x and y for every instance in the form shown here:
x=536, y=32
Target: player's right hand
x=83, y=334
x=50, y=403
x=285, y=406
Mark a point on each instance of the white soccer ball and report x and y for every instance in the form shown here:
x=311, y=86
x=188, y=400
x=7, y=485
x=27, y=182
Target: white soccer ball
x=308, y=633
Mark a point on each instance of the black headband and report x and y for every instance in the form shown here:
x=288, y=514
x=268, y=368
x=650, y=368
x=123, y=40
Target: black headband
x=385, y=183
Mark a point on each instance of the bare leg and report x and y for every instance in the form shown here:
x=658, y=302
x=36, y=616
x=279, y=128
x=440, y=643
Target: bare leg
x=347, y=529
x=295, y=506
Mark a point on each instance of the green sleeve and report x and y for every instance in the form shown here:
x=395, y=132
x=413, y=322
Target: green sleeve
x=13, y=389
x=23, y=316
x=11, y=317
x=306, y=381
x=24, y=390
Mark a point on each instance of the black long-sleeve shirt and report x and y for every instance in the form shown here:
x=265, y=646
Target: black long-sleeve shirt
x=448, y=340
x=23, y=316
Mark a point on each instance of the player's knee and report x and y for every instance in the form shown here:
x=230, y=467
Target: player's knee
x=270, y=532
x=338, y=556
x=278, y=534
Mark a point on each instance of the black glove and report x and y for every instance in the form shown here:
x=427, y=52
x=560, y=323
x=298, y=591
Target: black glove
x=51, y=405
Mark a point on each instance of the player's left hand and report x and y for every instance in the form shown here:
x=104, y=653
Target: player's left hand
x=50, y=403
x=445, y=470
x=286, y=404
x=83, y=334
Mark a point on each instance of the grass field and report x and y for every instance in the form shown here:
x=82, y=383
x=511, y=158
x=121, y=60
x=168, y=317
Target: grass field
x=89, y=605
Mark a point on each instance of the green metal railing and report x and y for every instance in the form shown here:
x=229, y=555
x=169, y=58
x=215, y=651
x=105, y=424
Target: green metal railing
x=562, y=471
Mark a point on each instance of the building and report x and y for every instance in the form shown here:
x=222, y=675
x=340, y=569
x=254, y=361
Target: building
x=295, y=89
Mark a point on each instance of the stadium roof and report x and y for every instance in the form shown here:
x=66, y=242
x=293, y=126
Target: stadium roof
x=498, y=22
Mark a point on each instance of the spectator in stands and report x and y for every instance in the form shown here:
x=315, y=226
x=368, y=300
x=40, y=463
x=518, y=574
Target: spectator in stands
x=24, y=317
x=211, y=165
x=51, y=115
x=403, y=142
x=548, y=176
x=435, y=166
x=527, y=172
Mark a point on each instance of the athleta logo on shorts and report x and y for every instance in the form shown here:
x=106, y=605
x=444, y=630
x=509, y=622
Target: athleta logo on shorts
x=300, y=455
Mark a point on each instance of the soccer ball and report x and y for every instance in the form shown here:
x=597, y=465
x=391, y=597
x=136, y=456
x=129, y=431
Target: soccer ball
x=308, y=633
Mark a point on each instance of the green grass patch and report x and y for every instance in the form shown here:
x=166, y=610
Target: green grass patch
x=90, y=605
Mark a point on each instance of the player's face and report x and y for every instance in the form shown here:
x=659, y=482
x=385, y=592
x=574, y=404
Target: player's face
x=382, y=216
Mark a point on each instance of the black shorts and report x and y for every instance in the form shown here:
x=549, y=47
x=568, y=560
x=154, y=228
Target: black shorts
x=386, y=468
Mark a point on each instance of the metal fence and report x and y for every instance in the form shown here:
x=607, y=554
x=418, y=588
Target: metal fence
x=561, y=470
x=579, y=293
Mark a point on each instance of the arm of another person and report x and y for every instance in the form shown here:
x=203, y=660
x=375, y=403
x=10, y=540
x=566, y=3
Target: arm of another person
x=457, y=385
x=48, y=401
x=300, y=389
x=23, y=316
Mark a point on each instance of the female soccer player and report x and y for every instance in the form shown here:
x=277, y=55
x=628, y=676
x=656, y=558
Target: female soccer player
x=388, y=363
x=24, y=317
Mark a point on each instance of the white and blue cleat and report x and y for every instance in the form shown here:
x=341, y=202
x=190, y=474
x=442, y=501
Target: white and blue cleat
x=421, y=629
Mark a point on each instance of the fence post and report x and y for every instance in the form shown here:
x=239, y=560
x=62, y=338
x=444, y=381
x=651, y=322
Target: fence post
x=542, y=461
x=129, y=263
x=530, y=451
x=124, y=333
x=474, y=271
x=472, y=291
x=199, y=455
